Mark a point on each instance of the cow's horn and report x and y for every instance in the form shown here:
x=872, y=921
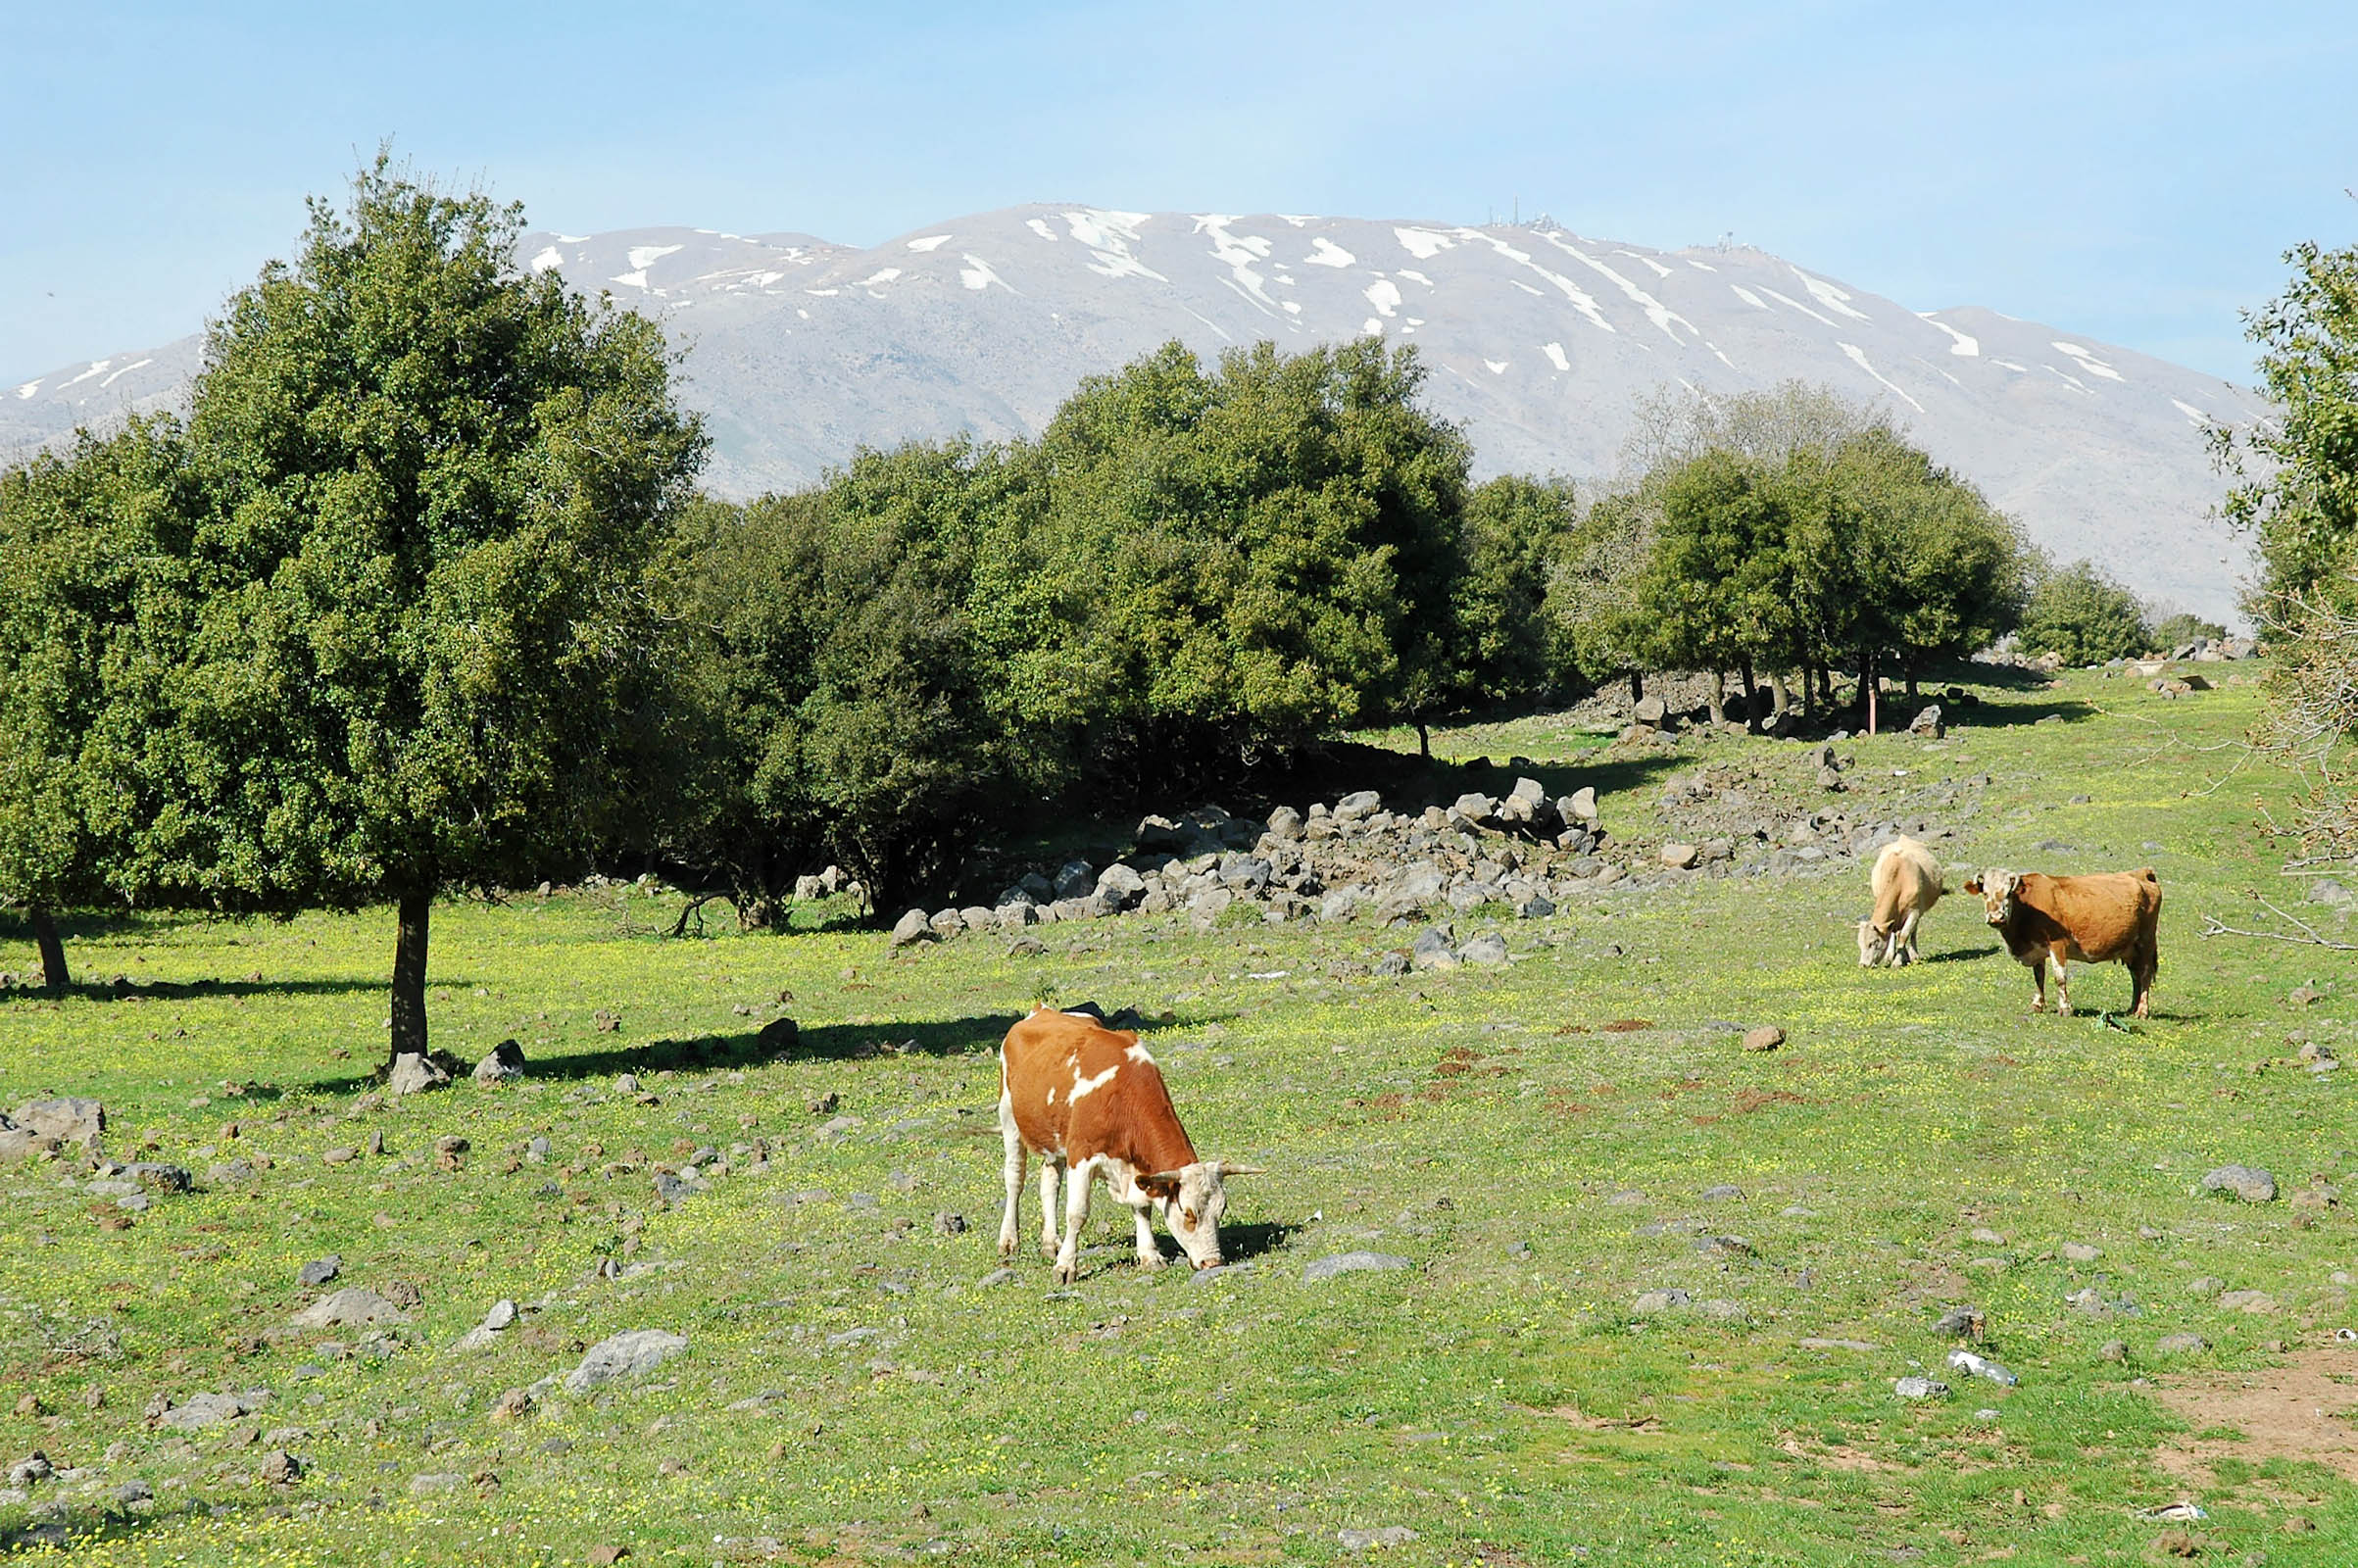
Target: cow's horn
x=1227, y=1169
x=1172, y=1176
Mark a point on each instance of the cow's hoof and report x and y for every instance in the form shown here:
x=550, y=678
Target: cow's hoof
x=1155, y=1261
x=2063, y=1010
x=1066, y=1276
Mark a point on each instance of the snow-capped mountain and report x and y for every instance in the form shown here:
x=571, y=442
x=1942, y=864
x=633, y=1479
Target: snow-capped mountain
x=798, y=351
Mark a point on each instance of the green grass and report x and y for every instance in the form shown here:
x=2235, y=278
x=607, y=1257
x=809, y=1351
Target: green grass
x=1505, y=1405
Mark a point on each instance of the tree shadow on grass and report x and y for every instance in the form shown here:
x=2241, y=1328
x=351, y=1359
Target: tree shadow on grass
x=175, y=991
x=2014, y=715
x=940, y=1038
x=867, y=1042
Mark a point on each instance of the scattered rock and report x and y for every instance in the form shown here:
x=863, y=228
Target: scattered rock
x=1768, y=1037
x=2180, y=1344
x=2247, y=1302
x=1914, y=1388
x=1432, y=949
x=198, y=1411
x=1371, y=1540
x=346, y=1307
x=496, y=1322
x=778, y=1035
x=1326, y=1269
x=913, y=927
x=1679, y=857
x=414, y=1074
x=513, y=1406
x=2247, y=1182
x=320, y=1270
x=1960, y=1323
x=625, y=1355
x=279, y=1468
x=2081, y=1253
x=505, y=1061
x=67, y=1122
x=1651, y=1302
x=1489, y=947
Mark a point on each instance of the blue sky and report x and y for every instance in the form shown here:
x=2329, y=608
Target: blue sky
x=2128, y=172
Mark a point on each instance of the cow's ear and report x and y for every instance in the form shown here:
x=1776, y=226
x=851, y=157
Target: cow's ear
x=1972, y=884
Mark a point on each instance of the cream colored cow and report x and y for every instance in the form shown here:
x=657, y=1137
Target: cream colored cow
x=1906, y=881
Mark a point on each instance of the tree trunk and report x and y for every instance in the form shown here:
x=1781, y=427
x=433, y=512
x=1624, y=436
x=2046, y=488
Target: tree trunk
x=1637, y=687
x=1779, y=698
x=1912, y=683
x=53, y=951
x=1809, y=694
x=1751, y=707
x=1719, y=699
x=1424, y=740
x=1871, y=678
x=408, y=975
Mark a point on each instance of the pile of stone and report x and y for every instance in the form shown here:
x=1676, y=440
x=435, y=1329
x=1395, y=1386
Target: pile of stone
x=1352, y=859
x=827, y=884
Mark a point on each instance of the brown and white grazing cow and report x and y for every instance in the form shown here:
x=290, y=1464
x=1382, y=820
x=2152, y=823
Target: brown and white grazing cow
x=1906, y=881
x=1090, y=1102
x=2048, y=920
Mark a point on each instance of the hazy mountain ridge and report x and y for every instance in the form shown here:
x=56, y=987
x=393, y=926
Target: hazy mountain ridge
x=1541, y=342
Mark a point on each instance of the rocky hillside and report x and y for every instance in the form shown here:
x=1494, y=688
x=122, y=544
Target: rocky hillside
x=1541, y=341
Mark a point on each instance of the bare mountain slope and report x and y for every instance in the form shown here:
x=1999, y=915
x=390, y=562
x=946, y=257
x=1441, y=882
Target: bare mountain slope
x=1538, y=341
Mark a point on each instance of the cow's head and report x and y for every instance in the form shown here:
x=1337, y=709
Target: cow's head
x=1193, y=1199
x=1871, y=940
x=1995, y=889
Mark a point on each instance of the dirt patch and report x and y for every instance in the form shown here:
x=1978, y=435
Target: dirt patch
x=1837, y=1456
x=2304, y=1410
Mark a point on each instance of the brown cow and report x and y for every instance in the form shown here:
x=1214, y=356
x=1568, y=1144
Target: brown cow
x=2048, y=920
x=1090, y=1102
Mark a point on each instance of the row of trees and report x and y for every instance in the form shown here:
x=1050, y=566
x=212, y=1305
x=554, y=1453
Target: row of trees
x=422, y=597
x=1792, y=533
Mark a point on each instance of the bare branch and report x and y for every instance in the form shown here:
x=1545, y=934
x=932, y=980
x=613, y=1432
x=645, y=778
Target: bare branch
x=2213, y=926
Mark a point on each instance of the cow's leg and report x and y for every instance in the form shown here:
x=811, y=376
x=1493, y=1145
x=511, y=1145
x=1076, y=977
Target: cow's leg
x=2039, y=982
x=2063, y=984
x=2141, y=971
x=1904, y=941
x=1049, y=1172
x=1013, y=1172
x=1076, y=1220
x=1150, y=1251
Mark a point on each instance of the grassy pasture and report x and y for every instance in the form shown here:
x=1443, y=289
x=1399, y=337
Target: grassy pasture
x=1539, y=1169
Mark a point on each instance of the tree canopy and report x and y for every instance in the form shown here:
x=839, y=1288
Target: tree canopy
x=2083, y=617
x=93, y=606
x=424, y=488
